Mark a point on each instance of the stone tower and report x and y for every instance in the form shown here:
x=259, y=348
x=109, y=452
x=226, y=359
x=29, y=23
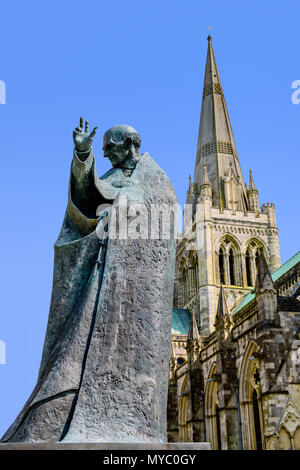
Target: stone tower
x=224, y=228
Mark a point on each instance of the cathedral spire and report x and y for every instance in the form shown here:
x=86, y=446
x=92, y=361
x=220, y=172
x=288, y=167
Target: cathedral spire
x=216, y=146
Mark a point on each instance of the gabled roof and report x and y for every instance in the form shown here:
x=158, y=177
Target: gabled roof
x=181, y=320
x=283, y=269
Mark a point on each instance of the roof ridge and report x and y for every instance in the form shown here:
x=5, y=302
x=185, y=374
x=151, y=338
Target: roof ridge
x=284, y=265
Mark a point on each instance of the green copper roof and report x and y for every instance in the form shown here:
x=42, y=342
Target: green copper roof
x=181, y=320
x=245, y=300
x=284, y=268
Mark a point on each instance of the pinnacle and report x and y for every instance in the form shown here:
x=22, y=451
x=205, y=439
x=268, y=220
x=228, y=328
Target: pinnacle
x=193, y=331
x=222, y=310
x=263, y=272
x=251, y=182
x=205, y=179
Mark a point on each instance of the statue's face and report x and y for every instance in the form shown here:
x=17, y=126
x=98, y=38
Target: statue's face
x=115, y=151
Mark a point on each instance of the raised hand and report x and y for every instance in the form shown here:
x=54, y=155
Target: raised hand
x=83, y=138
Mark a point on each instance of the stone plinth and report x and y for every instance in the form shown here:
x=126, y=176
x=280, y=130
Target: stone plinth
x=114, y=446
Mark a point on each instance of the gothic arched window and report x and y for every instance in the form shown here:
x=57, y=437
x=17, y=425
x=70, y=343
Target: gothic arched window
x=228, y=259
x=192, y=275
x=218, y=423
x=256, y=258
x=212, y=416
x=256, y=419
x=250, y=400
x=182, y=283
x=186, y=286
x=248, y=268
x=231, y=268
x=221, y=266
x=253, y=249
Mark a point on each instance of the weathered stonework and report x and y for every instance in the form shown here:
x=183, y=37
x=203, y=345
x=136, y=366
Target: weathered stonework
x=239, y=386
x=255, y=354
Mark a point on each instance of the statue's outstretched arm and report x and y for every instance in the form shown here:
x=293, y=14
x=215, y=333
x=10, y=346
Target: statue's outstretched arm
x=83, y=190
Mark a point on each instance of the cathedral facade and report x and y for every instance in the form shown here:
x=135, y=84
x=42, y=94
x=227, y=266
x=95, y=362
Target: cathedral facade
x=235, y=359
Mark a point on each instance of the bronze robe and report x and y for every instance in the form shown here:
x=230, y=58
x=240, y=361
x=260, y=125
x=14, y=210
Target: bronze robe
x=104, y=370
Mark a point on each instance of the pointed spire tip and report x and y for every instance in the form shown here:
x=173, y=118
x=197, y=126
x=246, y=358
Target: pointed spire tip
x=251, y=182
x=209, y=38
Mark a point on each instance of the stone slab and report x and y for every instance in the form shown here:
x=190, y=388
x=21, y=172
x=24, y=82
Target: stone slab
x=114, y=446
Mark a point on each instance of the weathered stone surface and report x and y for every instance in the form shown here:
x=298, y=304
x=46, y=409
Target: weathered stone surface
x=104, y=370
x=240, y=384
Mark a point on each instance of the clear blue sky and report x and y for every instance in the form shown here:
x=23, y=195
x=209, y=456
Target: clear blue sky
x=139, y=63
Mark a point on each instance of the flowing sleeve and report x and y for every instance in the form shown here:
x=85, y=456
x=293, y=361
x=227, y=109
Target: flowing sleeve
x=86, y=193
x=84, y=196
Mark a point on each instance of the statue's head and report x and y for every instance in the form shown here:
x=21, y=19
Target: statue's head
x=121, y=144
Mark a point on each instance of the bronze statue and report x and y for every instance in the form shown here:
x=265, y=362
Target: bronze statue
x=104, y=369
